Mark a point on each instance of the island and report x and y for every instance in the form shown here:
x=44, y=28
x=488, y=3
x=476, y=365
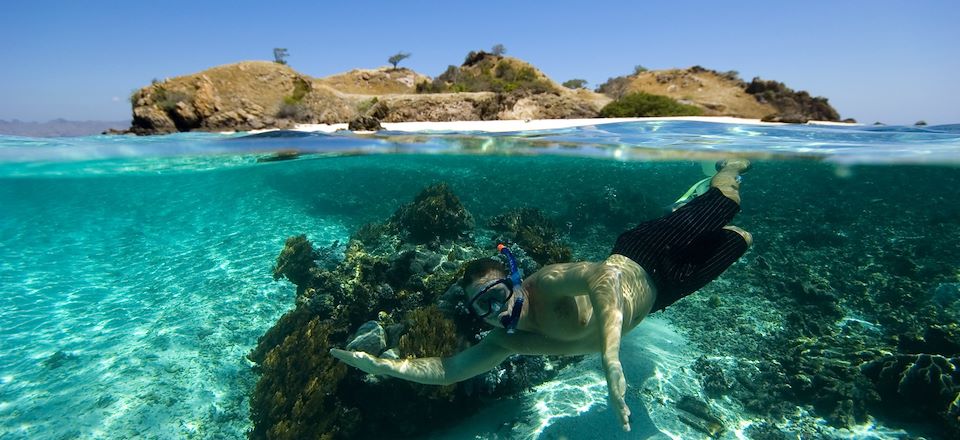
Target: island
x=257, y=95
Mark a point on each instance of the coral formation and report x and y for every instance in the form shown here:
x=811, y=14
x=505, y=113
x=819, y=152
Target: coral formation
x=812, y=320
x=435, y=213
x=296, y=261
x=384, y=293
x=535, y=232
x=918, y=386
x=296, y=396
x=430, y=335
x=825, y=317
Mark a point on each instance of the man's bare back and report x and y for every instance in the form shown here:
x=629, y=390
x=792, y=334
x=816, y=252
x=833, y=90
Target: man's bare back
x=565, y=309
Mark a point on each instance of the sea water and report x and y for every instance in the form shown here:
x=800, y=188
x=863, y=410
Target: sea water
x=135, y=272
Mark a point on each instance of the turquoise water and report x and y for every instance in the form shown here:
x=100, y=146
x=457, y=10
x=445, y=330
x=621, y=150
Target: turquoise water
x=135, y=273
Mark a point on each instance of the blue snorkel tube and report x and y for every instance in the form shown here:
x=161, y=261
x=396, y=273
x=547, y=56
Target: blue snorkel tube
x=510, y=322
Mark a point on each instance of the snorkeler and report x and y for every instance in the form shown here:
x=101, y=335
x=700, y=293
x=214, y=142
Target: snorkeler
x=581, y=308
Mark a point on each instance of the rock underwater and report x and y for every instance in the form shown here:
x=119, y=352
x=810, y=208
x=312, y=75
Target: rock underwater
x=393, y=293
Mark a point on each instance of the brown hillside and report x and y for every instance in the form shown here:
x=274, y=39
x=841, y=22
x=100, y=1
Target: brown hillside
x=240, y=96
x=258, y=94
x=716, y=94
x=379, y=81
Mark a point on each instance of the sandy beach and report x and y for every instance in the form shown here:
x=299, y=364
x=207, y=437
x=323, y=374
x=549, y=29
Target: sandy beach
x=500, y=126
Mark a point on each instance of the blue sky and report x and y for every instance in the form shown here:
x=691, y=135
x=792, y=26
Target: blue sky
x=890, y=61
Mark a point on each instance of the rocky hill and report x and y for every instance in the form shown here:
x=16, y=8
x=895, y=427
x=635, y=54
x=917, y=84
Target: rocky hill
x=241, y=96
x=258, y=94
x=725, y=94
x=717, y=94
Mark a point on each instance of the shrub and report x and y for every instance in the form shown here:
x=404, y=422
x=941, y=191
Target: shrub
x=168, y=99
x=645, y=104
x=615, y=87
x=364, y=106
x=484, y=73
x=498, y=50
x=732, y=75
x=300, y=89
x=575, y=84
x=294, y=111
x=292, y=106
x=638, y=69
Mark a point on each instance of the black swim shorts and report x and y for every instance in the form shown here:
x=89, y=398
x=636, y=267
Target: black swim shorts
x=686, y=249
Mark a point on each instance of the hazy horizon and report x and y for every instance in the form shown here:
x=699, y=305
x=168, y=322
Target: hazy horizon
x=875, y=61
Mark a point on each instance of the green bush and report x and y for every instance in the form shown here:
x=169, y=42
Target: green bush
x=364, y=106
x=483, y=72
x=168, y=99
x=294, y=111
x=645, y=104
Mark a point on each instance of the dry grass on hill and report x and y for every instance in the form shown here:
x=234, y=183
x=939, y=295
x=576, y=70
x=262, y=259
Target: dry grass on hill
x=379, y=81
x=718, y=95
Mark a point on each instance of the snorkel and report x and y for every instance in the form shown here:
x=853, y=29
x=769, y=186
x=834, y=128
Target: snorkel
x=510, y=322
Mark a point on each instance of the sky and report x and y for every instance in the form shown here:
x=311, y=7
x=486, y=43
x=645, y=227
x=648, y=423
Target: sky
x=895, y=62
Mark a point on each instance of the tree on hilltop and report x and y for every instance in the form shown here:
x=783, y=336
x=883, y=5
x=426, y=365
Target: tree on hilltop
x=575, y=84
x=280, y=55
x=397, y=58
x=638, y=69
x=498, y=49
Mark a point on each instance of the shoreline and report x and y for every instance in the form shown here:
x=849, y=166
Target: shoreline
x=508, y=125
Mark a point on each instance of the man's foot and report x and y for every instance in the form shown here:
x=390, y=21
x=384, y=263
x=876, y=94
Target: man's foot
x=727, y=179
x=741, y=166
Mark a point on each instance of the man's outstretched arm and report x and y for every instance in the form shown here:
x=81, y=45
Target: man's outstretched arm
x=432, y=371
x=606, y=297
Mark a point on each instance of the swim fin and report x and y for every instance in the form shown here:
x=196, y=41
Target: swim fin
x=698, y=188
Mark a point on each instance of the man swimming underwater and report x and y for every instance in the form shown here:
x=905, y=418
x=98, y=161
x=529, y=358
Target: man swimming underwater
x=581, y=308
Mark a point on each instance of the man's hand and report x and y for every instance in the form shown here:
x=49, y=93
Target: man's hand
x=359, y=359
x=617, y=386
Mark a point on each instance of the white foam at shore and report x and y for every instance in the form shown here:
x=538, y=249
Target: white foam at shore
x=500, y=126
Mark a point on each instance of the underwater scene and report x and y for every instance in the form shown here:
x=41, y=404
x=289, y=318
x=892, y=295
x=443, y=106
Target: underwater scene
x=193, y=285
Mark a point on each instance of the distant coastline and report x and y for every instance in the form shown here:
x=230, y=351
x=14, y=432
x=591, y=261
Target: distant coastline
x=58, y=127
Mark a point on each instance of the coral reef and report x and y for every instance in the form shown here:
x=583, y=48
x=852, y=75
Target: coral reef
x=831, y=311
x=296, y=396
x=431, y=335
x=535, y=232
x=381, y=297
x=435, y=213
x=918, y=387
x=296, y=261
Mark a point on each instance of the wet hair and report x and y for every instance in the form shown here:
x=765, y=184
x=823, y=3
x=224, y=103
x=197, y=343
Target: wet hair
x=477, y=269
